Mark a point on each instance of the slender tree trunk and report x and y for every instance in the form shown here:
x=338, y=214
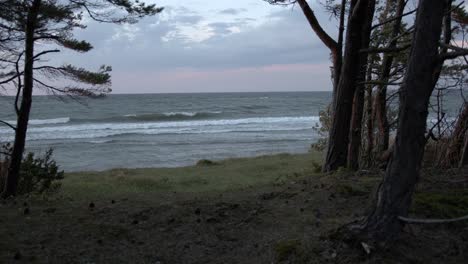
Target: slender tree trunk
x=369, y=120
x=396, y=191
x=358, y=104
x=26, y=99
x=356, y=127
x=455, y=148
x=338, y=58
x=339, y=133
x=381, y=102
x=464, y=153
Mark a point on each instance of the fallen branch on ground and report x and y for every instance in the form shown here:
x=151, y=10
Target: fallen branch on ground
x=431, y=221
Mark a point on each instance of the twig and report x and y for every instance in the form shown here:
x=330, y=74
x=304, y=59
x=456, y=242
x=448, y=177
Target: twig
x=432, y=221
x=8, y=124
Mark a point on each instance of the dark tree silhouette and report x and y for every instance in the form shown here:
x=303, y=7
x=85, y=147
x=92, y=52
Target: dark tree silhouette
x=395, y=192
x=25, y=23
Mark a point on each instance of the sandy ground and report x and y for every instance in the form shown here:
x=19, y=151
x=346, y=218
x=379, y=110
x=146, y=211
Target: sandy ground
x=287, y=222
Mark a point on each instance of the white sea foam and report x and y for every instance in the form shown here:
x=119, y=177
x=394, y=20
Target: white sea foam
x=191, y=114
x=60, y=120
x=100, y=130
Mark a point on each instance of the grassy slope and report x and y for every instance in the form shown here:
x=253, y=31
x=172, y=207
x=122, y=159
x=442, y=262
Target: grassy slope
x=267, y=209
x=230, y=174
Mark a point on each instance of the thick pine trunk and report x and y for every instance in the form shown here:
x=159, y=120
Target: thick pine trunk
x=355, y=135
x=396, y=191
x=356, y=127
x=11, y=184
x=381, y=102
x=339, y=133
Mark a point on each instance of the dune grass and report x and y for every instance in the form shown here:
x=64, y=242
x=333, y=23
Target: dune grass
x=230, y=174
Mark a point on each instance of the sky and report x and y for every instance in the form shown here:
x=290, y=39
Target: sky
x=211, y=46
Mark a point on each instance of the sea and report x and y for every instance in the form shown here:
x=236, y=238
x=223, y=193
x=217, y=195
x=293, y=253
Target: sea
x=167, y=130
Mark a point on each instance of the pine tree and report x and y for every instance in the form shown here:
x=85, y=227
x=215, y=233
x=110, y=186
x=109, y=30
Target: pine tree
x=24, y=24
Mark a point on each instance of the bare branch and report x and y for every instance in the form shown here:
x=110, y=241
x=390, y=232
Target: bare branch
x=313, y=21
x=393, y=19
x=453, y=55
x=45, y=52
x=8, y=124
x=386, y=50
x=432, y=221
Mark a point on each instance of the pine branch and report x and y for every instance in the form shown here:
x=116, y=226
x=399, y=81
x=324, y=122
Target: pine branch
x=386, y=50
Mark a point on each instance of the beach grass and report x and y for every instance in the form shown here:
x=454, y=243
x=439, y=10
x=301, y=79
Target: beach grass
x=205, y=176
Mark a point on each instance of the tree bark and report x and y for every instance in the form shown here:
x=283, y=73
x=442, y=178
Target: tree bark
x=11, y=184
x=339, y=133
x=381, y=102
x=395, y=193
x=464, y=153
x=369, y=119
x=358, y=104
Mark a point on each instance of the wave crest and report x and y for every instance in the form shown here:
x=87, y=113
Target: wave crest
x=168, y=116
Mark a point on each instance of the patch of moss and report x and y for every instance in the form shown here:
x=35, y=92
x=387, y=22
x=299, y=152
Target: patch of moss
x=287, y=248
x=445, y=205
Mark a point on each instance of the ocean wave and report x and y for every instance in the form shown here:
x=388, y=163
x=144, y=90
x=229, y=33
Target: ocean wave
x=102, y=130
x=254, y=107
x=52, y=121
x=168, y=116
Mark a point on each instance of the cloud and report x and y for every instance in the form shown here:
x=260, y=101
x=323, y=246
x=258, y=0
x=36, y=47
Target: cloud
x=232, y=11
x=289, y=77
x=186, y=38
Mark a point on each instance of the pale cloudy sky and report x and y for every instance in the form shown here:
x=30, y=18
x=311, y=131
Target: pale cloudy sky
x=212, y=46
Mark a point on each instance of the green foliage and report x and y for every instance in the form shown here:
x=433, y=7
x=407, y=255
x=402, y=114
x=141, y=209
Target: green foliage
x=76, y=45
x=39, y=175
x=322, y=128
x=54, y=24
x=102, y=77
x=460, y=15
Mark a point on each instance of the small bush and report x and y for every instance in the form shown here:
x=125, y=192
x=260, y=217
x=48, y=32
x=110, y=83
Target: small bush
x=39, y=174
x=206, y=162
x=322, y=128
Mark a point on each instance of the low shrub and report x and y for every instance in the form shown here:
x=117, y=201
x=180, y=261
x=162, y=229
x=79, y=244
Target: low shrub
x=38, y=175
